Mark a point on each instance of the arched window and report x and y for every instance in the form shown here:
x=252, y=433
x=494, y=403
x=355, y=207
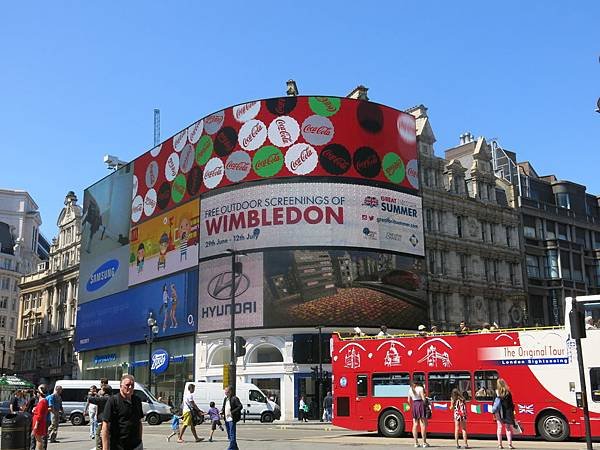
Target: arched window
x=266, y=354
x=221, y=356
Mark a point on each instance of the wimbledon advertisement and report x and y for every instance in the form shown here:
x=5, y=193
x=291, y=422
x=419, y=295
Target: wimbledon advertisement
x=122, y=318
x=105, y=236
x=311, y=214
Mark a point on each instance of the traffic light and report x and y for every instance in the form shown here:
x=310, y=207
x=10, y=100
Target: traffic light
x=240, y=346
x=577, y=321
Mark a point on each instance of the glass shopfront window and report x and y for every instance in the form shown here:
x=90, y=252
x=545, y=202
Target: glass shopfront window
x=109, y=362
x=168, y=385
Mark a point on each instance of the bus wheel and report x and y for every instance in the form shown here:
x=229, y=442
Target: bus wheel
x=391, y=423
x=553, y=427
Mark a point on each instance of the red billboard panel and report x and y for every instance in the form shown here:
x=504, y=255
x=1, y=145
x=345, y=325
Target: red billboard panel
x=278, y=138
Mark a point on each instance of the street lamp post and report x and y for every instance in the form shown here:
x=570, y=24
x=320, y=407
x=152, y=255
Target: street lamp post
x=233, y=357
x=320, y=375
x=152, y=332
x=3, y=354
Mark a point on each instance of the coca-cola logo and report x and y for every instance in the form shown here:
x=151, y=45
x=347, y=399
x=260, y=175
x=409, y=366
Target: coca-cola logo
x=164, y=195
x=237, y=166
x=156, y=150
x=225, y=141
x=179, y=140
x=247, y=111
x=412, y=173
x=267, y=161
x=195, y=131
x=186, y=158
x=137, y=208
x=150, y=202
x=284, y=131
x=134, y=187
x=301, y=159
x=370, y=116
x=407, y=128
x=194, y=181
x=281, y=106
x=366, y=162
x=172, y=166
x=214, y=122
x=335, y=159
x=213, y=173
x=151, y=174
x=252, y=135
x=317, y=130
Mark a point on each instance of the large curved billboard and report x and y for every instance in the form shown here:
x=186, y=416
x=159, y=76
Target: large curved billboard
x=277, y=138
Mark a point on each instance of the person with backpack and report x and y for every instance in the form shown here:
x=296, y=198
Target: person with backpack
x=504, y=411
x=459, y=406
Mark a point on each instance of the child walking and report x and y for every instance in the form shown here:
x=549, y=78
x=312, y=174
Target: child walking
x=459, y=407
x=215, y=418
x=174, y=425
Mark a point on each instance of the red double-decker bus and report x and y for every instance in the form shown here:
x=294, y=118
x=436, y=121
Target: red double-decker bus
x=371, y=378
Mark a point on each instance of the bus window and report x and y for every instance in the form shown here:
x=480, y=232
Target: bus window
x=361, y=385
x=390, y=384
x=442, y=383
x=595, y=383
x=419, y=378
x=485, y=385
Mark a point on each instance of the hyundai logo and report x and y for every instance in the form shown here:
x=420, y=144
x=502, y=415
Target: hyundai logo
x=102, y=275
x=219, y=287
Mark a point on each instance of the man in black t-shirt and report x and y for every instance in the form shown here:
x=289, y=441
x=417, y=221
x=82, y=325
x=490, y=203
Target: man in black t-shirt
x=122, y=419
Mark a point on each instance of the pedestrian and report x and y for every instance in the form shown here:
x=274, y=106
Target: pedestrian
x=416, y=396
x=215, y=419
x=30, y=402
x=56, y=409
x=302, y=410
x=174, y=424
x=232, y=413
x=15, y=401
x=505, y=413
x=100, y=401
x=383, y=331
x=328, y=407
x=190, y=409
x=40, y=415
x=458, y=405
x=122, y=419
x=92, y=410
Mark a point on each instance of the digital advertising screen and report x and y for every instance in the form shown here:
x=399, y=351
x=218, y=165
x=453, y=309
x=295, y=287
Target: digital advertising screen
x=311, y=214
x=122, y=318
x=105, y=236
x=165, y=244
x=283, y=137
x=328, y=287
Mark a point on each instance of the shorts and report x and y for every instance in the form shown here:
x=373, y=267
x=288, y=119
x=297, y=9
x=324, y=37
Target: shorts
x=418, y=409
x=215, y=424
x=188, y=419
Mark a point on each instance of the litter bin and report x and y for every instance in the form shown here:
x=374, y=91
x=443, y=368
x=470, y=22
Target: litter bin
x=16, y=432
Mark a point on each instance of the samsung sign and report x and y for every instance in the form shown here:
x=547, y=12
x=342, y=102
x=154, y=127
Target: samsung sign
x=102, y=275
x=160, y=361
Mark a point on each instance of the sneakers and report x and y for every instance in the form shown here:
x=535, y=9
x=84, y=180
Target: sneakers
x=425, y=445
x=417, y=445
x=209, y=439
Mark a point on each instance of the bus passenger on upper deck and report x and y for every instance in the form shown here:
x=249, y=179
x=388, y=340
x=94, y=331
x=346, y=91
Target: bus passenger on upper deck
x=383, y=332
x=589, y=323
x=485, y=328
x=434, y=329
x=422, y=330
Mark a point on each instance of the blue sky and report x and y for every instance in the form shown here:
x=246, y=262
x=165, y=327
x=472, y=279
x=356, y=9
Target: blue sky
x=81, y=79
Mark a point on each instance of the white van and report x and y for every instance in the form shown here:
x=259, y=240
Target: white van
x=255, y=402
x=75, y=393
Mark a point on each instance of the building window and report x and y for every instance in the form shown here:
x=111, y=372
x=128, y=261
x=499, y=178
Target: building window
x=3, y=302
x=459, y=224
x=508, y=236
x=511, y=273
x=580, y=236
x=428, y=219
x=486, y=269
x=443, y=261
x=550, y=229
x=2, y=321
x=431, y=261
x=5, y=283
x=562, y=200
x=533, y=268
x=12, y=322
x=492, y=233
x=551, y=266
x=496, y=270
x=529, y=227
x=483, y=231
x=577, y=271
x=565, y=265
x=464, y=261
x=440, y=221
x=563, y=232
x=13, y=304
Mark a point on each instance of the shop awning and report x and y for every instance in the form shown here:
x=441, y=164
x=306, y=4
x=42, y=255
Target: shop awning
x=13, y=382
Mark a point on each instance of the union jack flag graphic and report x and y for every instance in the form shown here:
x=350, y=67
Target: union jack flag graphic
x=525, y=409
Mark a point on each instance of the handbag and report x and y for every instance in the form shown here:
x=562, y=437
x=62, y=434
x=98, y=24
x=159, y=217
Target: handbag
x=517, y=429
x=427, y=406
x=496, y=405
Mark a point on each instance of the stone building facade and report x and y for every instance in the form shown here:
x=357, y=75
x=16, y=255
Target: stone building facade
x=48, y=305
x=472, y=244
x=21, y=250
